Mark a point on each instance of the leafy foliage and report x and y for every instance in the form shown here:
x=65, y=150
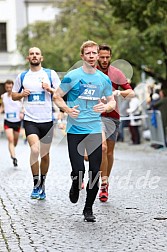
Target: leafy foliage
x=150, y=21
x=136, y=30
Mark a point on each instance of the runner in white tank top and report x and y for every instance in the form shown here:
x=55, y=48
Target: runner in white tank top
x=36, y=89
x=12, y=119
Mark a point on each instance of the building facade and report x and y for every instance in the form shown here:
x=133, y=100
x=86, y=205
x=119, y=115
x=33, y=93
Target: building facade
x=14, y=16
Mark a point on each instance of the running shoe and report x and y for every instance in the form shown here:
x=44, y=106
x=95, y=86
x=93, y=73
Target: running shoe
x=42, y=195
x=103, y=195
x=35, y=193
x=88, y=215
x=15, y=161
x=74, y=192
x=82, y=186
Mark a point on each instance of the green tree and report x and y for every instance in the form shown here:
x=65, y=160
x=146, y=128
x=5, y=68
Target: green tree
x=136, y=30
x=78, y=21
x=146, y=28
x=42, y=35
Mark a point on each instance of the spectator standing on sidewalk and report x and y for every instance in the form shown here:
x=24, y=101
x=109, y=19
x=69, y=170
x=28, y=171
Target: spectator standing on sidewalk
x=85, y=86
x=36, y=87
x=12, y=119
x=134, y=125
x=110, y=120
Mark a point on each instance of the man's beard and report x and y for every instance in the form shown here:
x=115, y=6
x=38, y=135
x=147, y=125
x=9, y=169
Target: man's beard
x=34, y=63
x=103, y=68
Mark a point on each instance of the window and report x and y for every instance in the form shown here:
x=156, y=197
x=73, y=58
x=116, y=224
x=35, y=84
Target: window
x=3, y=39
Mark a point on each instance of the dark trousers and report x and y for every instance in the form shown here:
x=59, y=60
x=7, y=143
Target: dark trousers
x=135, y=134
x=77, y=144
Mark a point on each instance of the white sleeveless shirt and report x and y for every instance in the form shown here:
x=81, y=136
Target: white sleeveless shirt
x=38, y=105
x=11, y=108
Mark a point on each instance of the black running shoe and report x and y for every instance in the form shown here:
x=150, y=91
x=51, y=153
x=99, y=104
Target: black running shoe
x=74, y=192
x=15, y=161
x=88, y=215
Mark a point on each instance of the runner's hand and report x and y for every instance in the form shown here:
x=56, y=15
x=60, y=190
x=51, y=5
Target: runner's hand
x=73, y=112
x=100, y=107
x=26, y=92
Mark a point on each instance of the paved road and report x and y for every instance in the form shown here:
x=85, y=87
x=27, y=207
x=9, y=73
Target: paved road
x=134, y=218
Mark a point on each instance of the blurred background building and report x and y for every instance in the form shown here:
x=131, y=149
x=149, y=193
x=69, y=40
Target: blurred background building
x=14, y=16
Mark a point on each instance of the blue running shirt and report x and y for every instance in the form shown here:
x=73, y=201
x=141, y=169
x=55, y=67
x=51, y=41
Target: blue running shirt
x=85, y=90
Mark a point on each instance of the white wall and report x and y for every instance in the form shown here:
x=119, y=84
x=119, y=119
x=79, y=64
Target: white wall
x=17, y=14
x=21, y=17
x=8, y=15
x=40, y=12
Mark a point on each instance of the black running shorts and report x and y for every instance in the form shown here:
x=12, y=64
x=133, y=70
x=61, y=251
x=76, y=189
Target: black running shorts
x=43, y=130
x=12, y=125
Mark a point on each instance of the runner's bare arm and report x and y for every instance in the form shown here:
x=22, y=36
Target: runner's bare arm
x=57, y=98
x=18, y=96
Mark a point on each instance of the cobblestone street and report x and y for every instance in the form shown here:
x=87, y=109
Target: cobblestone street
x=133, y=220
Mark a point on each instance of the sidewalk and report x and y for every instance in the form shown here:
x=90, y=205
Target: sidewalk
x=133, y=220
